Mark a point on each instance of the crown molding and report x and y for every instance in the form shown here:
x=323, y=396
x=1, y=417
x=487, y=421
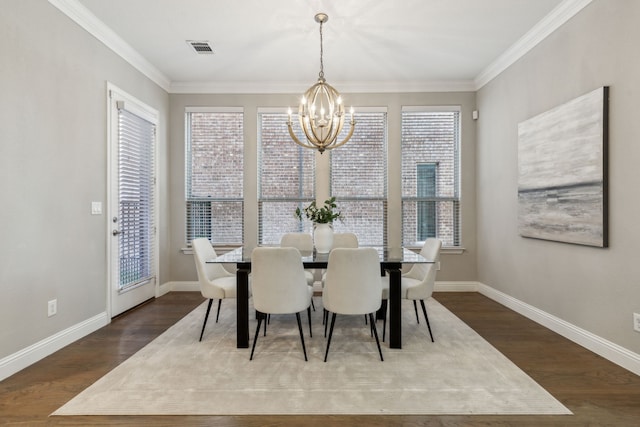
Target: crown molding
x=83, y=17
x=87, y=20
x=554, y=20
x=297, y=87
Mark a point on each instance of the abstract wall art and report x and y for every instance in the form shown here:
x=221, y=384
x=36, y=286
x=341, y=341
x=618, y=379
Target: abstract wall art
x=562, y=172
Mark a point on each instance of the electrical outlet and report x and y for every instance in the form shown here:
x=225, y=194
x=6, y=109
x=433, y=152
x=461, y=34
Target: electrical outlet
x=636, y=322
x=52, y=307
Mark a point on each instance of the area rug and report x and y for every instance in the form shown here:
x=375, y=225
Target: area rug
x=460, y=373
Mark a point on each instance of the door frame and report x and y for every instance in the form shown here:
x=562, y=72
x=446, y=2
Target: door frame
x=138, y=294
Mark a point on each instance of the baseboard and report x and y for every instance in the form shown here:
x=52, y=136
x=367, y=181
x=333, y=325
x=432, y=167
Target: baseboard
x=602, y=347
x=610, y=351
x=30, y=355
x=180, y=287
x=456, y=286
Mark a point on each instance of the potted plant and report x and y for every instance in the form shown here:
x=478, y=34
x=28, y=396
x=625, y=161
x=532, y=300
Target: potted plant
x=322, y=219
x=323, y=215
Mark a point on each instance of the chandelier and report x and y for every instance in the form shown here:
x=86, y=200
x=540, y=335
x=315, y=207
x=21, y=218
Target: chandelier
x=321, y=112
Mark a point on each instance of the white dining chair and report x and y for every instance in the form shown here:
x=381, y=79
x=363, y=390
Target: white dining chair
x=340, y=240
x=279, y=286
x=215, y=281
x=353, y=286
x=304, y=243
x=418, y=282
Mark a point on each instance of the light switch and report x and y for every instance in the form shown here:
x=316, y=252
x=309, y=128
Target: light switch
x=96, y=208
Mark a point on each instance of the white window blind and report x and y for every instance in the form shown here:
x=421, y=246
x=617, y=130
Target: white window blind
x=430, y=175
x=358, y=180
x=136, y=198
x=286, y=178
x=214, y=181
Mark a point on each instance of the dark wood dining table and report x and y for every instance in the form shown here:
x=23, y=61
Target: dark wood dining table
x=391, y=261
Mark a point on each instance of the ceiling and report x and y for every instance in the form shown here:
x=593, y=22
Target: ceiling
x=272, y=46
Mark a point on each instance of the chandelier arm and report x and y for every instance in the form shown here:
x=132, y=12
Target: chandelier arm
x=312, y=138
x=296, y=140
x=305, y=122
x=317, y=137
x=348, y=137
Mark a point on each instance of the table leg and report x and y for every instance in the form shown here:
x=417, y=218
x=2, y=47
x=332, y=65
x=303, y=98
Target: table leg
x=395, y=308
x=242, y=307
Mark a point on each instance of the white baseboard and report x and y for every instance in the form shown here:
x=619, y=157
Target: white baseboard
x=602, y=347
x=18, y=361
x=456, y=286
x=181, y=287
x=30, y=355
x=610, y=351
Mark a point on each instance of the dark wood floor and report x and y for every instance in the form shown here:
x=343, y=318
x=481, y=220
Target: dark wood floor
x=598, y=392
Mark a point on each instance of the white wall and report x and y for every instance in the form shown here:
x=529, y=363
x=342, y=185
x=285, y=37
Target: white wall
x=53, y=161
x=594, y=289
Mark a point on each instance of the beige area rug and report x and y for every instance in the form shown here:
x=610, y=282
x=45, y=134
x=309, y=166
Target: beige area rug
x=177, y=375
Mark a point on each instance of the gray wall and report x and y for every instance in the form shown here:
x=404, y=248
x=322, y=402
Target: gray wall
x=53, y=162
x=594, y=289
x=460, y=267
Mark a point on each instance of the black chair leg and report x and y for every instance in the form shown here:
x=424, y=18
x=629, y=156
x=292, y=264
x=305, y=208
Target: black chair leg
x=415, y=307
x=218, y=313
x=424, y=311
x=333, y=321
x=304, y=349
x=267, y=319
x=206, y=316
x=375, y=332
x=313, y=305
x=384, y=325
x=309, y=317
x=255, y=338
x=326, y=322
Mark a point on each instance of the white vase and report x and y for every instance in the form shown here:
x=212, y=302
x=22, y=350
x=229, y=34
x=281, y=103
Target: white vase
x=323, y=238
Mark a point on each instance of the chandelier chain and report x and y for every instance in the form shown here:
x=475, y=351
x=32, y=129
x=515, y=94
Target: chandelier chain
x=321, y=74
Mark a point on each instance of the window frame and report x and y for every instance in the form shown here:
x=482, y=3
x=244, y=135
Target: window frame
x=383, y=198
x=190, y=201
x=299, y=200
x=455, y=199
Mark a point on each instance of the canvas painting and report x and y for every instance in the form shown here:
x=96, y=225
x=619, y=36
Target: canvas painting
x=562, y=172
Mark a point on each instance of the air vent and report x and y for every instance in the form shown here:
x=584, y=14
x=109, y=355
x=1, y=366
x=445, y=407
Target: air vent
x=201, y=47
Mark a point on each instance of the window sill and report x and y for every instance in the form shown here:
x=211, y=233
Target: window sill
x=450, y=250
x=219, y=249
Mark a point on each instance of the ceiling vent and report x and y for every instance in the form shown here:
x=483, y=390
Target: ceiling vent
x=201, y=47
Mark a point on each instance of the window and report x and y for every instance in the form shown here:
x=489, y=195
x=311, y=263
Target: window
x=136, y=196
x=426, y=175
x=358, y=179
x=286, y=178
x=214, y=169
x=430, y=175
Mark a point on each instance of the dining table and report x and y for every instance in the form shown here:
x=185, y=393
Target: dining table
x=391, y=262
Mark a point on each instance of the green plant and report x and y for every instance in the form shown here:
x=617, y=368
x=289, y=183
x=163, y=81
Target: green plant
x=323, y=215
